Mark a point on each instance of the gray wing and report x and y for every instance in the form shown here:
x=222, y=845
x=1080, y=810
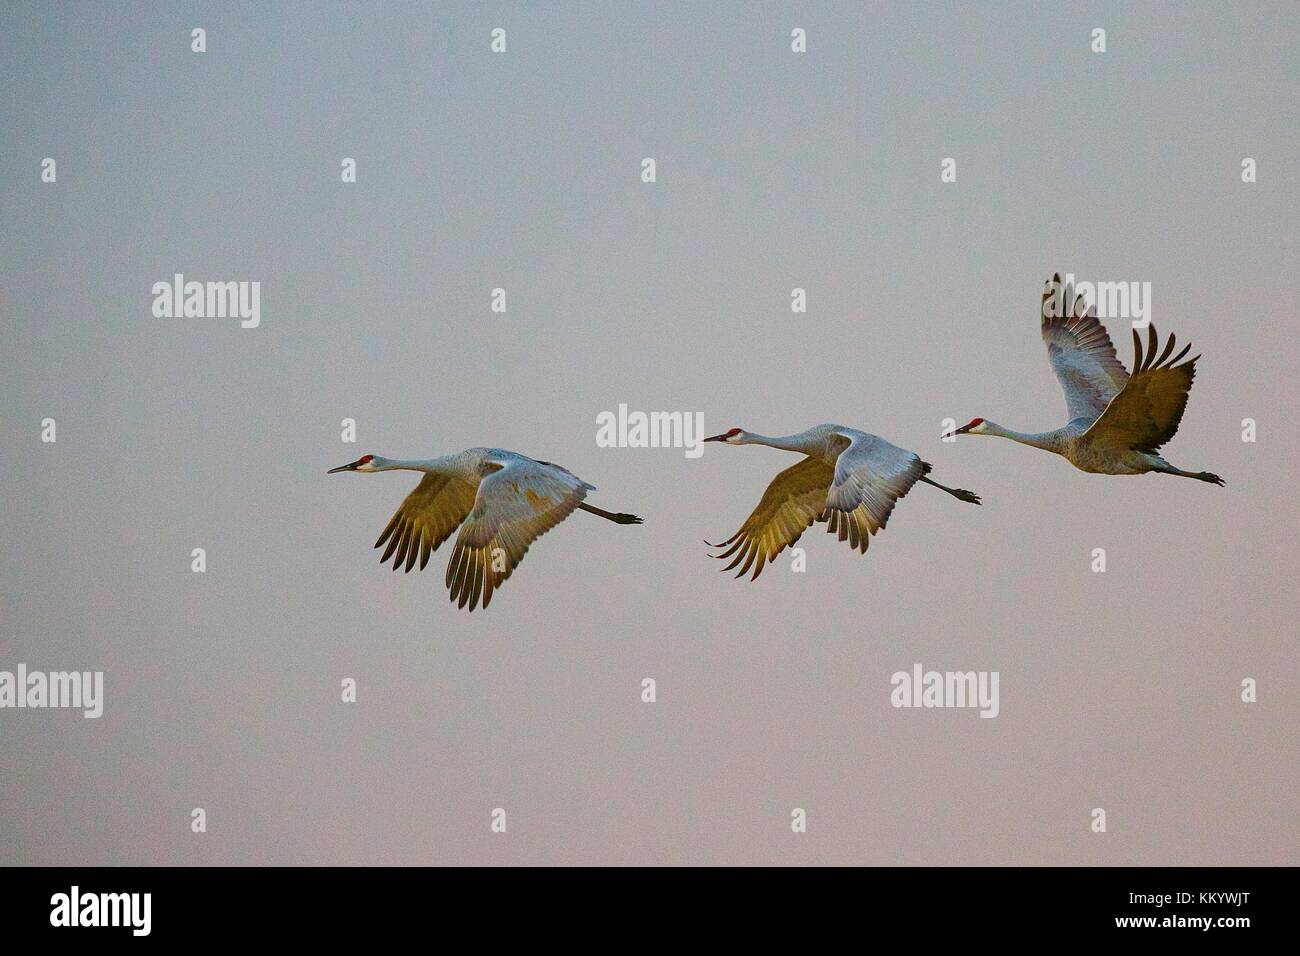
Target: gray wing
x=514, y=507
x=870, y=476
x=1080, y=351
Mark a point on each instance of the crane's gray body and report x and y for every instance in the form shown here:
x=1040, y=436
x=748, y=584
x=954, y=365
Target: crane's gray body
x=1118, y=419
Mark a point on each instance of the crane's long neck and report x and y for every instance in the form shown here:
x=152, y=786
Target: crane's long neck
x=798, y=443
x=412, y=464
x=1048, y=441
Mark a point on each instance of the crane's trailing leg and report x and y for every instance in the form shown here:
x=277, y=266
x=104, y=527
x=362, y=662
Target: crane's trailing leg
x=961, y=494
x=1198, y=475
x=609, y=515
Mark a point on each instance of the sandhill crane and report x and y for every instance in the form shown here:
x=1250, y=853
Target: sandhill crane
x=850, y=480
x=510, y=500
x=1117, y=419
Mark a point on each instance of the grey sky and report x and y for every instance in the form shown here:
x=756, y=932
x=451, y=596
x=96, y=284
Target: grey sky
x=521, y=171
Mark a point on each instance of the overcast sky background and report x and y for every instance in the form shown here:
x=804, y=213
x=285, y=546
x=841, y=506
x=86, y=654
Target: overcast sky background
x=775, y=170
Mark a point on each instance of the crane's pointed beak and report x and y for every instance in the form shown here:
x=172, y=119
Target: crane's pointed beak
x=721, y=437
x=957, y=431
x=351, y=466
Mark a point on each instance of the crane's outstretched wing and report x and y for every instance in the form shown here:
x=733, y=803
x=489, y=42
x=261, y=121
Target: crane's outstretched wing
x=793, y=501
x=426, y=519
x=1080, y=351
x=514, y=507
x=870, y=476
x=1146, y=413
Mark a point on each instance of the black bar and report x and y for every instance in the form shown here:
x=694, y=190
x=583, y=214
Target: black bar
x=373, y=905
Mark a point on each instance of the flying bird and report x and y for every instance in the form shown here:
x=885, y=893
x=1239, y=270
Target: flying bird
x=849, y=479
x=1118, y=419
x=501, y=501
